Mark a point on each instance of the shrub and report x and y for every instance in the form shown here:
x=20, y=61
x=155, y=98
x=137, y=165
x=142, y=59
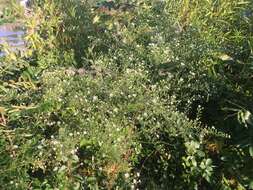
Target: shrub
x=93, y=131
x=144, y=97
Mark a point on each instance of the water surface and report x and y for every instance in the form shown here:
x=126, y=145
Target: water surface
x=13, y=35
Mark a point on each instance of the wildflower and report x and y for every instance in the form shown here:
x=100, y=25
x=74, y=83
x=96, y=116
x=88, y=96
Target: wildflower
x=55, y=169
x=154, y=100
x=55, y=142
x=39, y=147
x=95, y=98
x=15, y=146
x=127, y=175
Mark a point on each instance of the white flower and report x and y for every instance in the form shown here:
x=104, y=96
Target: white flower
x=119, y=139
x=55, y=142
x=154, y=100
x=127, y=175
x=55, y=169
x=15, y=146
x=95, y=98
x=39, y=147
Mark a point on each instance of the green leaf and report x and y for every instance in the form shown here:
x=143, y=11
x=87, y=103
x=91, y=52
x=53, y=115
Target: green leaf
x=251, y=151
x=209, y=162
x=96, y=19
x=84, y=142
x=225, y=57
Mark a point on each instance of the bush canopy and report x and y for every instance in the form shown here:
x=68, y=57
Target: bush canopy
x=147, y=94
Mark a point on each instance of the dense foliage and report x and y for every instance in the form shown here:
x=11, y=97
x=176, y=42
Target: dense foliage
x=139, y=95
x=10, y=11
